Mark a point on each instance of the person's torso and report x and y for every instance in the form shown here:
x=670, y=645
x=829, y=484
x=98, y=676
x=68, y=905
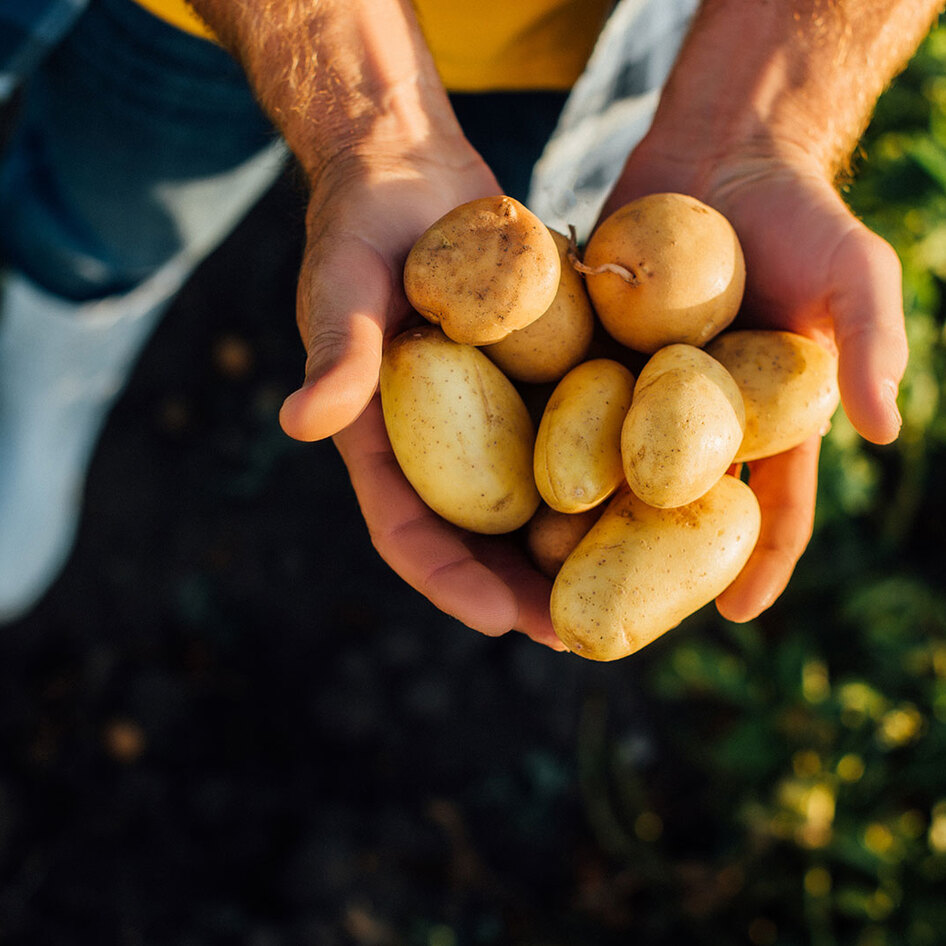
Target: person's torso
x=487, y=45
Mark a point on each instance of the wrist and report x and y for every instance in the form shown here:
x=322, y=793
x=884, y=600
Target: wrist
x=342, y=80
x=784, y=82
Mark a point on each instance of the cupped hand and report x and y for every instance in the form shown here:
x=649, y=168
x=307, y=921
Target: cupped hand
x=350, y=299
x=814, y=269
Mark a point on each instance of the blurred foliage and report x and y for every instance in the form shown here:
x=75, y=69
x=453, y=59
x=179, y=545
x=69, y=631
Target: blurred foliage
x=796, y=790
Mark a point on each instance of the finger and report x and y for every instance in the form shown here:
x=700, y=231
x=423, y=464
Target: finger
x=428, y=553
x=533, y=589
x=785, y=486
x=869, y=332
x=346, y=298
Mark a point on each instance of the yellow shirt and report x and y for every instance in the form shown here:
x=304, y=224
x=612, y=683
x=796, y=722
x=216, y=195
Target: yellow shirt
x=483, y=45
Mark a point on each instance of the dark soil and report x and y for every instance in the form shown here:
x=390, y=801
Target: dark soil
x=229, y=722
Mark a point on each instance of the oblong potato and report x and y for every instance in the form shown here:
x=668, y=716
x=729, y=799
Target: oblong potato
x=459, y=430
x=669, y=269
x=483, y=270
x=789, y=384
x=546, y=349
x=578, y=444
x=684, y=427
x=640, y=570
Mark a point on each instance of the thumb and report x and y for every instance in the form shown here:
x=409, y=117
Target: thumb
x=346, y=299
x=870, y=334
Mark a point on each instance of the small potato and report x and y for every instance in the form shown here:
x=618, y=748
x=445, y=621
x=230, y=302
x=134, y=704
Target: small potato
x=555, y=342
x=578, y=444
x=483, y=270
x=662, y=269
x=460, y=432
x=789, y=384
x=684, y=426
x=641, y=570
x=552, y=535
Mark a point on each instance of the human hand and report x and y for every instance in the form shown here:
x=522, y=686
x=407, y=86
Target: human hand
x=814, y=269
x=361, y=225
x=355, y=92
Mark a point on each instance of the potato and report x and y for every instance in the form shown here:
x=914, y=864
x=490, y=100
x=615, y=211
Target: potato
x=578, y=444
x=789, y=384
x=641, y=570
x=460, y=432
x=662, y=269
x=483, y=270
x=684, y=427
x=552, y=535
x=555, y=342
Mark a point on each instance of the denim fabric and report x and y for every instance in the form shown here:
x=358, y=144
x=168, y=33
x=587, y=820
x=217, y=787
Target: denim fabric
x=29, y=29
x=134, y=141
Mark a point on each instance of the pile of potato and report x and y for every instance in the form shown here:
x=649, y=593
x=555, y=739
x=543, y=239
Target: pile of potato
x=623, y=488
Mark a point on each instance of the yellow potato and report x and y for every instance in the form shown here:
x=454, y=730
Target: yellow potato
x=640, y=571
x=578, y=444
x=483, y=270
x=553, y=535
x=549, y=347
x=789, y=384
x=460, y=432
x=662, y=269
x=684, y=426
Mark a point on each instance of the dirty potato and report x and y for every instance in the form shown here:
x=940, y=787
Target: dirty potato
x=684, y=426
x=460, y=432
x=662, y=269
x=555, y=342
x=789, y=384
x=551, y=536
x=485, y=269
x=578, y=444
x=640, y=570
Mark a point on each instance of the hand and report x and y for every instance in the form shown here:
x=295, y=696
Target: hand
x=360, y=229
x=814, y=269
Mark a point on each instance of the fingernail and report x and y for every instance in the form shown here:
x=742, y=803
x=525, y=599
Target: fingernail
x=890, y=397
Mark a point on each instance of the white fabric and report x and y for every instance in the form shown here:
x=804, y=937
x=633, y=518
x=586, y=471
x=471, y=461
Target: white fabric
x=62, y=366
x=608, y=111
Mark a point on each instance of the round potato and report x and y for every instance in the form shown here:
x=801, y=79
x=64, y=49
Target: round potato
x=483, y=270
x=640, y=570
x=578, y=444
x=552, y=535
x=555, y=342
x=460, y=432
x=684, y=427
x=789, y=384
x=662, y=269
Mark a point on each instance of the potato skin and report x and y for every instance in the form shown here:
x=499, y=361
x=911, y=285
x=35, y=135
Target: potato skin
x=578, y=445
x=546, y=349
x=640, y=570
x=684, y=426
x=551, y=536
x=460, y=432
x=689, y=268
x=483, y=270
x=789, y=384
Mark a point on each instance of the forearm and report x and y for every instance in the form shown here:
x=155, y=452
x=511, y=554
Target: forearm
x=785, y=78
x=341, y=79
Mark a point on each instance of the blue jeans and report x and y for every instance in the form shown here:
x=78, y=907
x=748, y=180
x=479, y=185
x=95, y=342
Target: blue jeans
x=134, y=143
